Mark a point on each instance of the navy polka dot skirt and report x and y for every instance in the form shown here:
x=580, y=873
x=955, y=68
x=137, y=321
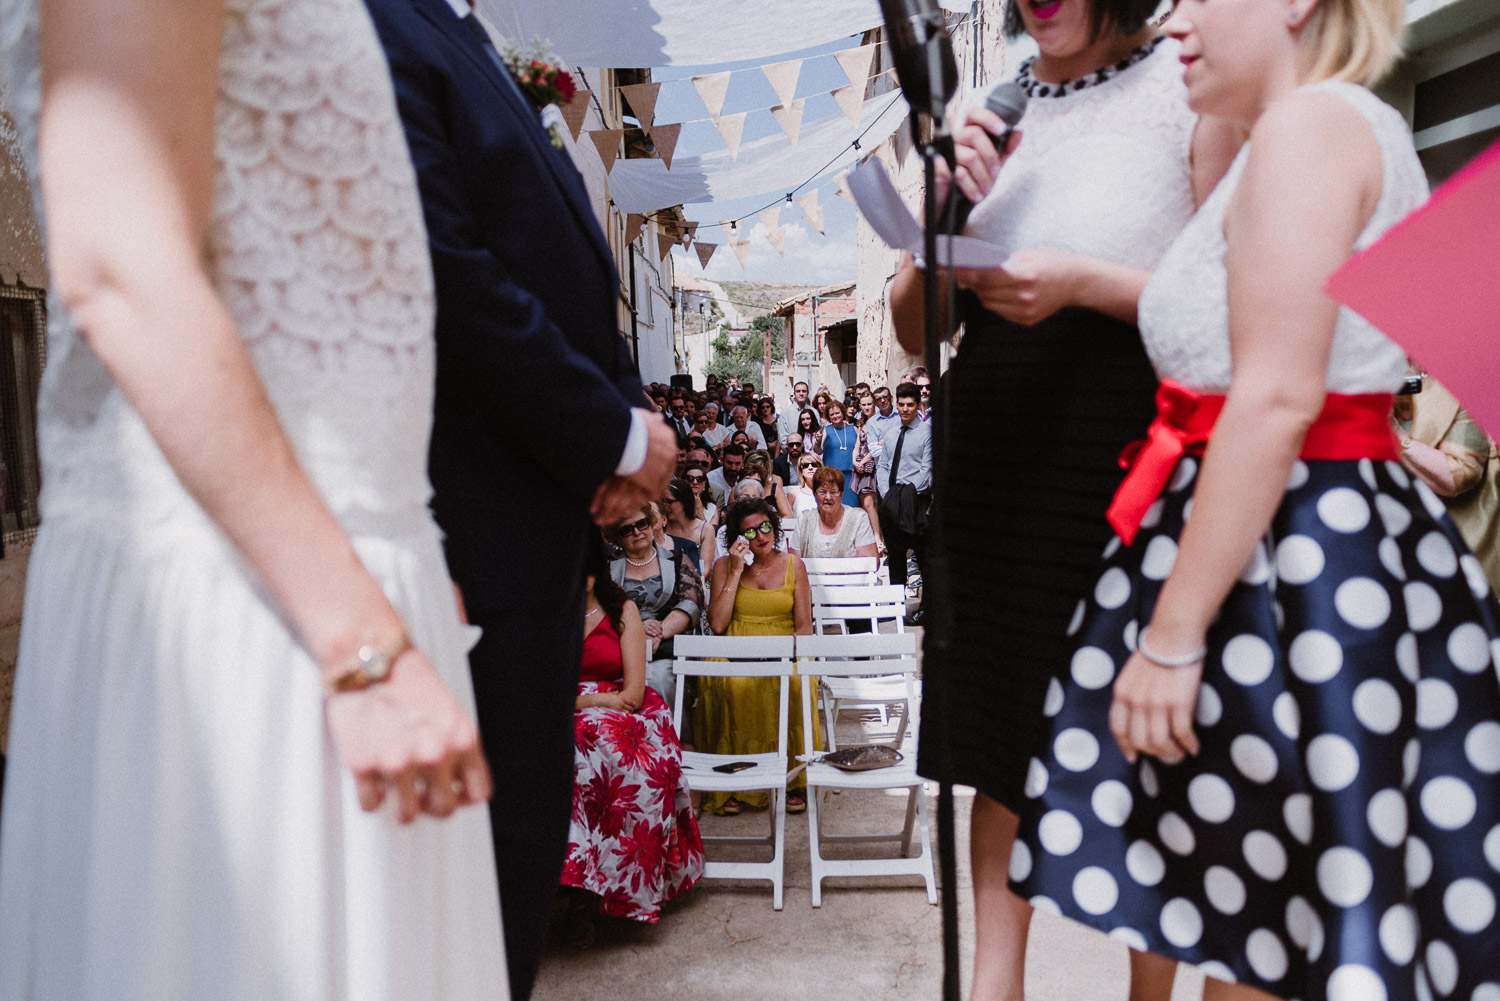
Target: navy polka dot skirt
x=1338, y=837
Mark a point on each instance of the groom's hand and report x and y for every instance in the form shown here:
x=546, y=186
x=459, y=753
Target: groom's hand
x=620, y=495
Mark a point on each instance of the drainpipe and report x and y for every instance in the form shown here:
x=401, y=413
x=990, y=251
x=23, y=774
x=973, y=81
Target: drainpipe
x=635, y=329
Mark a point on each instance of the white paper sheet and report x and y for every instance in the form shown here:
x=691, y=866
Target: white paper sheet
x=893, y=222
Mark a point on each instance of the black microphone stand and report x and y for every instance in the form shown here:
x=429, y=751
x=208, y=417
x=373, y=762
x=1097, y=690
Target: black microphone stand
x=938, y=321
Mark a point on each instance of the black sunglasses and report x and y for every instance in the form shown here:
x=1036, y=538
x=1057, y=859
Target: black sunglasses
x=808, y=465
x=696, y=479
x=644, y=525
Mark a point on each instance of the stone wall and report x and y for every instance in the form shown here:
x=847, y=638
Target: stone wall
x=12, y=589
x=20, y=239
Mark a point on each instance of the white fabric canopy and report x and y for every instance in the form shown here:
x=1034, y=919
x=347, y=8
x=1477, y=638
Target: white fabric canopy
x=652, y=33
x=766, y=166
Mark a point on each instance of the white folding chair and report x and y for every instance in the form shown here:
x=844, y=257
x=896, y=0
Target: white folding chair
x=852, y=657
x=741, y=657
x=833, y=608
x=836, y=571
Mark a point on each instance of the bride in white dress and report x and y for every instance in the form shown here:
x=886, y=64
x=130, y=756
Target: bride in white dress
x=210, y=794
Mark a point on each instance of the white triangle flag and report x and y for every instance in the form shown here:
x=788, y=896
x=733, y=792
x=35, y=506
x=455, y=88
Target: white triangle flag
x=741, y=250
x=783, y=79
x=712, y=88
x=789, y=117
x=856, y=64
x=851, y=99
x=771, y=217
x=731, y=230
x=815, y=218
x=731, y=129
x=777, y=239
x=809, y=201
x=842, y=182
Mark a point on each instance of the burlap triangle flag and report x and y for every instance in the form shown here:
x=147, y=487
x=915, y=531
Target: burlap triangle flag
x=607, y=142
x=576, y=110
x=789, y=117
x=771, y=217
x=642, y=98
x=856, y=64
x=815, y=218
x=783, y=79
x=712, y=88
x=731, y=129
x=689, y=232
x=705, y=253
x=664, y=243
x=664, y=138
x=741, y=250
x=777, y=239
x=633, y=225
x=851, y=99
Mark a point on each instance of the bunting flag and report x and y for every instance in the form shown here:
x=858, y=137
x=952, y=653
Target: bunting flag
x=856, y=64
x=576, y=110
x=634, y=223
x=789, y=117
x=642, y=98
x=689, y=232
x=783, y=79
x=815, y=219
x=850, y=99
x=741, y=250
x=771, y=217
x=713, y=88
x=664, y=137
x=731, y=129
x=812, y=209
x=607, y=142
x=664, y=245
x=705, y=253
x=777, y=239
x=842, y=183
x=730, y=228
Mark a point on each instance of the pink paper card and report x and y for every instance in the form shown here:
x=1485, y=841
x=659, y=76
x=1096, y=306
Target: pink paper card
x=1432, y=284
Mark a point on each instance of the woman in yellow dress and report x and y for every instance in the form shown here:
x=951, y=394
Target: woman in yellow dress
x=757, y=590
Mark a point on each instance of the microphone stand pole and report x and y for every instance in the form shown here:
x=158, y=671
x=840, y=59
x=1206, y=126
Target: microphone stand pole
x=938, y=323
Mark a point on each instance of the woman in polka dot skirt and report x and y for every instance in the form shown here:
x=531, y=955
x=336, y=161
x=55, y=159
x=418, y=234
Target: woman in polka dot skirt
x=1302, y=792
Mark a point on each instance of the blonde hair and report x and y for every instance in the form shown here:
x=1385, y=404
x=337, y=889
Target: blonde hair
x=1354, y=40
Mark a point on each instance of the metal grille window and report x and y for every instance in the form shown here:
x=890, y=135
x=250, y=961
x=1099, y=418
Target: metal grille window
x=23, y=350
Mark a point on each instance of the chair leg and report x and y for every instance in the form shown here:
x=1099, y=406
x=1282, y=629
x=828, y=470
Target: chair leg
x=814, y=848
x=911, y=813
x=778, y=833
x=932, y=896
x=830, y=715
x=901, y=730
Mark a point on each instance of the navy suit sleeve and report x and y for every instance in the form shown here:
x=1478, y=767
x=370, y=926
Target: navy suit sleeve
x=493, y=333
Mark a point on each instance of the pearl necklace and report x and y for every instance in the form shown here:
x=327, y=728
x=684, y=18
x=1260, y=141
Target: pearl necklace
x=644, y=563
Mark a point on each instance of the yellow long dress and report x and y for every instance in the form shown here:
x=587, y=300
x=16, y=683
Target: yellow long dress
x=738, y=715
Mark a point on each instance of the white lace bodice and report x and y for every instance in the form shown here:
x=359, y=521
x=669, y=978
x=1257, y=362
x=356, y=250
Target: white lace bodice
x=317, y=246
x=1184, y=311
x=1103, y=171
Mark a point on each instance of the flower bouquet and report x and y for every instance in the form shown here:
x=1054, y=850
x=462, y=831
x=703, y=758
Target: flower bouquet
x=545, y=82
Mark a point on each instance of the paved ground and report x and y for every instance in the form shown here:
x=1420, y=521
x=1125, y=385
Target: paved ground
x=873, y=939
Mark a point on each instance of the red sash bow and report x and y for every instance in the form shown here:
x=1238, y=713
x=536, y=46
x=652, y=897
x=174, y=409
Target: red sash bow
x=1350, y=426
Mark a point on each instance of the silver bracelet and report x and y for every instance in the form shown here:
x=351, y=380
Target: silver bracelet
x=1181, y=660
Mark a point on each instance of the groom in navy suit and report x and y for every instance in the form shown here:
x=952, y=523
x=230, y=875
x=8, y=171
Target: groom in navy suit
x=537, y=426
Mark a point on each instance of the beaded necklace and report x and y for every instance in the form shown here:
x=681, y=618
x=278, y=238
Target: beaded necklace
x=1036, y=88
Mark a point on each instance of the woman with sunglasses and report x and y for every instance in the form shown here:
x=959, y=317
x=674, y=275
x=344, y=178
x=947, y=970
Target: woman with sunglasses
x=802, y=493
x=686, y=526
x=696, y=477
x=757, y=591
x=665, y=585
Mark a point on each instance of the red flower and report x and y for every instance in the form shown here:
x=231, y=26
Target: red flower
x=626, y=735
x=644, y=848
x=608, y=802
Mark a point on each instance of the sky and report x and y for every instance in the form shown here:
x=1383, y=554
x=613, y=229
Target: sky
x=811, y=258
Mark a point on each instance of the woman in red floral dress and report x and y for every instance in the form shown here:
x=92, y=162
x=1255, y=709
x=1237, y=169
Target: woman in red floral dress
x=633, y=843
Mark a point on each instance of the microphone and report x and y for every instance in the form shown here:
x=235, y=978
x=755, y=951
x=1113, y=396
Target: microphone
x=917, y=28
x=1008, y=102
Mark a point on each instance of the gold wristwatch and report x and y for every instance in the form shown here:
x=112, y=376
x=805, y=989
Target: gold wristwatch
x=371, y=665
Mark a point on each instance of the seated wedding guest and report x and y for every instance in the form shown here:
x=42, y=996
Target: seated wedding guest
x=812, y=432
x=743, y=440
x=839, y=439
x=716, y=431
x=832, y=529
x=686, y=525
x=766, y=595
x=765, y=419
x=739, y=420
x=732, y=464
x=784, y=464
x=758, y=465
x=748, y=488
x=1441, y=445
x=665, y=586
x=633, y=843
x=802, y=492
x=697, y=480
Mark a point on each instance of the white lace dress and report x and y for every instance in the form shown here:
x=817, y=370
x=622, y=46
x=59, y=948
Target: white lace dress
x=176, y=823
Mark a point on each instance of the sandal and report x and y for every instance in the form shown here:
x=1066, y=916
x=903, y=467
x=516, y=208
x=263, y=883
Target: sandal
x=732, y=807
x=795, y=803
